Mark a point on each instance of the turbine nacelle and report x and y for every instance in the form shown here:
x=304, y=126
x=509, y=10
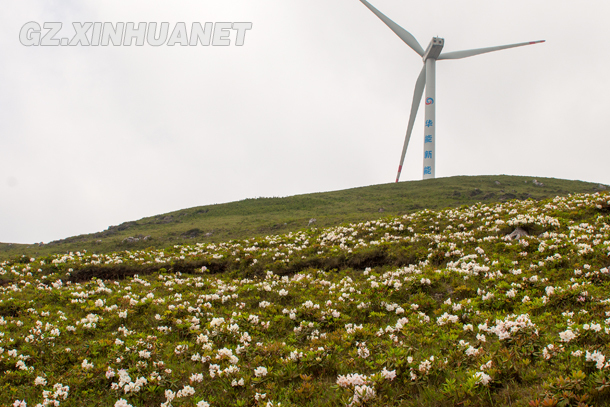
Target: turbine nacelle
x=434, y=48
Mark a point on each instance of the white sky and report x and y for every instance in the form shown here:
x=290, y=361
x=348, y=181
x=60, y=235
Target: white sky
x=317, y=99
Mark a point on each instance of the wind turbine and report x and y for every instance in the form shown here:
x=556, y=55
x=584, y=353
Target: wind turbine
x=426, y=79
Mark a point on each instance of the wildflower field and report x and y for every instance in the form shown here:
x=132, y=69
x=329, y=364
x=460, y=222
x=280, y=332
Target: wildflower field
x=435, y=308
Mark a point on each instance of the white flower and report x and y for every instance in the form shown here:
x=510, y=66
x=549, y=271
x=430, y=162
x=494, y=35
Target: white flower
x=169, y=395
x=61, y=391
x=446, y=319
x=388, y=374
x=236, y=382
x=21, y=365
x=40, y=381
x=363, y=351
x=362, y=393
x=482, y=378
x=486, y=365
x=567, y=335
x=260, y=396
x=425, y=366
x=597, y=357
x=196, y=377
x=546, y=354
x=352, y=379
x=186, y=391
x=260, y=371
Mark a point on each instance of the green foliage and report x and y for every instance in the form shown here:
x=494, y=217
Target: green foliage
x=429, y=308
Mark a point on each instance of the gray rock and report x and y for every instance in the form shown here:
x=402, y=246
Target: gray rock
x=538, y=184
x=192, y=233
x=164, y=219
x=518, y=234
x=131, y=239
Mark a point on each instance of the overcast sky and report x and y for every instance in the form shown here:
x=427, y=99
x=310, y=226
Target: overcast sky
x=317, y=99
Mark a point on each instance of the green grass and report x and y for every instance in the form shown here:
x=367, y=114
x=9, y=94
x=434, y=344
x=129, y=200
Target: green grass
x=265, y=216
x=422, y=306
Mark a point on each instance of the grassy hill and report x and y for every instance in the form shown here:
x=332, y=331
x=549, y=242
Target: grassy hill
x=264, y=216
x=431, y=308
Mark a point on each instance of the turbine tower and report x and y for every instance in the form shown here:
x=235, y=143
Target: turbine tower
x=426, y=79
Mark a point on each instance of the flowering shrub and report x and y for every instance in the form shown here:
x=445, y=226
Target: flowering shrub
x=430, y=308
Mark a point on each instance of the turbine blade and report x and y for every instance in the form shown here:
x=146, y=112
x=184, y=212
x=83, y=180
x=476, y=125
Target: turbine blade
x=420, y=84
x=404, y=35
x=472, y=52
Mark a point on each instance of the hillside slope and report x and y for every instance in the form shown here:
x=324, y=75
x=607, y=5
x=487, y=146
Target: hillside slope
x=264, y=216
x=432, y=308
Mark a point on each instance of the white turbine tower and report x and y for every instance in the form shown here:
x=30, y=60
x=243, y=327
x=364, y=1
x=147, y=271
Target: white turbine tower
x=426, y=80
